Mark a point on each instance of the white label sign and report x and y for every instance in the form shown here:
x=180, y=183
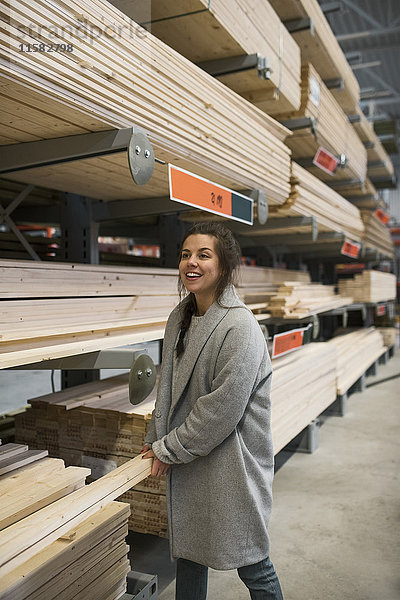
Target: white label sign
x=315, y=91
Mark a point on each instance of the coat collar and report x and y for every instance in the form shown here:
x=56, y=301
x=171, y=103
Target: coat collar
x=204, y=330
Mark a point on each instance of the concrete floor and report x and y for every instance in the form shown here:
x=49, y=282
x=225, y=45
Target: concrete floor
x=335, y=525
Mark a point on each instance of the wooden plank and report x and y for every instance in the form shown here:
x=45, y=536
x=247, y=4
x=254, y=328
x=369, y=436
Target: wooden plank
x=54, y=560
x=42, y=528
x=9, y=450
x=30, y=472
x=15, y=462
x=19, y=502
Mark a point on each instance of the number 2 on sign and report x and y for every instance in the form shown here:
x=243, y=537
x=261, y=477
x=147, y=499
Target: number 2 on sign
x=216, y=200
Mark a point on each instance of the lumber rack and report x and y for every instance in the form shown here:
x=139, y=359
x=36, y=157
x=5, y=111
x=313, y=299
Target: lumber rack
x=237, y=64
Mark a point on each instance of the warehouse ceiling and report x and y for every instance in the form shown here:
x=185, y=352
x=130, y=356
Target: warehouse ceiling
x=369, y=34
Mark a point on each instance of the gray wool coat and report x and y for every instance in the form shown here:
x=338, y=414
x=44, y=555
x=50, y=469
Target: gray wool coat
x=212, y=423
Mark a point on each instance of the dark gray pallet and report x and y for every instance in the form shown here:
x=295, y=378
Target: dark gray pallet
x=140, y=586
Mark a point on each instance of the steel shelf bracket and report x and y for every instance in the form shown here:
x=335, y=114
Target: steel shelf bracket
x=31, y=155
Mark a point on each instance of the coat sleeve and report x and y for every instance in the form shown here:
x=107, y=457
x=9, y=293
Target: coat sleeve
x=151, y=435
x=216, y=414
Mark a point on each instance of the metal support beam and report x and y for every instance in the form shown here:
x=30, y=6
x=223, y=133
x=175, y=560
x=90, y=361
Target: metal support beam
x=295, y=25
x=369, y=33
x=341, y=183
x=303, y=123
x=29, y=155
x=5, y=217
x=78, y=229
x=354, y=118
x=237, y=64
x=117, y=358
x=124, y=209
x=373, y=164
x=366, y=65
x=334, y=84
x=330, y=7
x=383, y=183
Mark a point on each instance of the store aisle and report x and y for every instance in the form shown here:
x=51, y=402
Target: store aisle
x=335, y=525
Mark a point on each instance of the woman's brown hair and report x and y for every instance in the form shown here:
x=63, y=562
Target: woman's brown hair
x=228, y=252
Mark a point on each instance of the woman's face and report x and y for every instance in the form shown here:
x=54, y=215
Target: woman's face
x=199, y=265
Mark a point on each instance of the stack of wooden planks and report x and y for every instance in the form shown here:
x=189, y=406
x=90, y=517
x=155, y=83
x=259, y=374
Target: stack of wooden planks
x=332, y=130
x=205, y=31
x=369, y=286
x=310, y=196
x=101, y=307
x=298, y=300
x=355, y=353
x=259, y=284
x=376, y=235
x=303, y=386
x=94, y=425
x=61, y=539
x=379, y=163
x=119, y=75
x=15, y=456
x=319, y=47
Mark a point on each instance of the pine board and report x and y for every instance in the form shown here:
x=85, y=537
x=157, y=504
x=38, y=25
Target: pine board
x=54, y=560
x=44, y=527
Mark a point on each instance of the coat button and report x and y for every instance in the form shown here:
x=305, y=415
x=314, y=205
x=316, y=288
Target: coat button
x=158, y=413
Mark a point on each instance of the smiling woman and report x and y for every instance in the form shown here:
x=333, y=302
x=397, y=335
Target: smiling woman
x=210, y=430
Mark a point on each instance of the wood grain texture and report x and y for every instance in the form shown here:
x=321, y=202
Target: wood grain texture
x=116, y=81
x=321, y=49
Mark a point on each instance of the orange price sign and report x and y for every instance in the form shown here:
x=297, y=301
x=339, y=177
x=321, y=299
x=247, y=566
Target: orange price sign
x=325, y=161
x=187, y=188
x=382, y=216
x=287, y=341
x=351, y=249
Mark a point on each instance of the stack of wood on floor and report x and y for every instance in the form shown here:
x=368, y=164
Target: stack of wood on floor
x=319, y=47
x=60, y=539
x=355, y=353
x=310, y=196
x=258, y=284
x=332, y=130
x=49, y=310
x=94, y=425
x=369, y=286
x=205, y=31
x=379, y=163
x=303, y=386
x=298, y=300
x=376, y=235
x=129, y=77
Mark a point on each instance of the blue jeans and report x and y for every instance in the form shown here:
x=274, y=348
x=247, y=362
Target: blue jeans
x=260, y=579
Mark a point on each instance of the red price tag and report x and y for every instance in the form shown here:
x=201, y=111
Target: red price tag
x=284, y=342
x=325, y=161
x=382, y=216
x=351, y=249
x=381, y=310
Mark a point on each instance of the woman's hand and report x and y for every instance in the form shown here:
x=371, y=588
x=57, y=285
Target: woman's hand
x=158, y=468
